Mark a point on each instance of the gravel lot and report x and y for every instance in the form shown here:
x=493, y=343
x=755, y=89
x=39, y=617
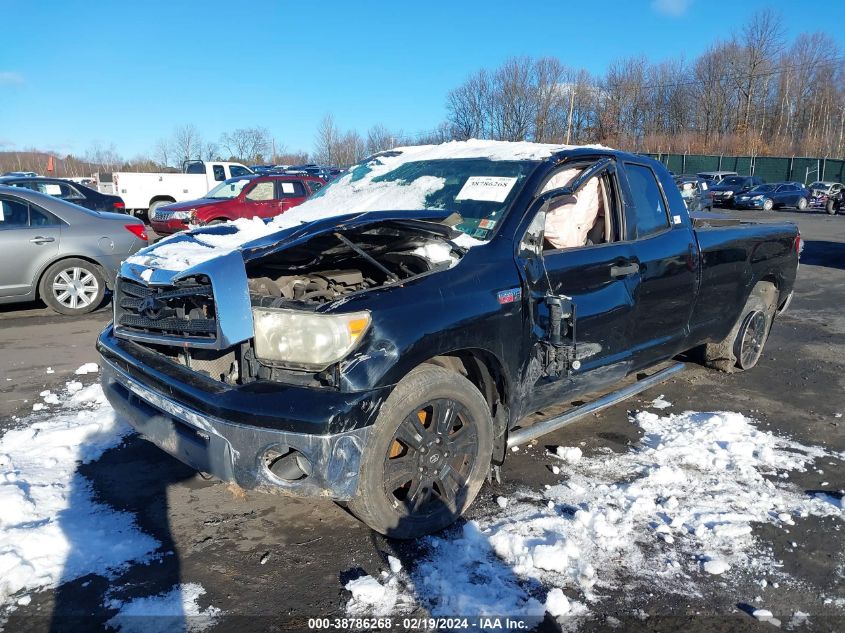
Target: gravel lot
x=269, y=563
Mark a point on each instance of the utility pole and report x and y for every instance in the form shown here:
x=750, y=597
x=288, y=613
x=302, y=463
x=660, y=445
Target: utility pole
x=571, y=110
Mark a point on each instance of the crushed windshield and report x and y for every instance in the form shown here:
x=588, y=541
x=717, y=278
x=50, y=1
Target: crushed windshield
x=479, y=189
x=228, y=189
x=820, y=185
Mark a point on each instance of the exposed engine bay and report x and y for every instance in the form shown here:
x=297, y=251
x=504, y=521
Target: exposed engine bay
x=336, y=264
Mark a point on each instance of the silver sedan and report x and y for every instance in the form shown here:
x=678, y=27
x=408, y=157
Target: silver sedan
x=61, y=252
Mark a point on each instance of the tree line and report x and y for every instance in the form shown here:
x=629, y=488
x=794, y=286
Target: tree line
x=753, y=93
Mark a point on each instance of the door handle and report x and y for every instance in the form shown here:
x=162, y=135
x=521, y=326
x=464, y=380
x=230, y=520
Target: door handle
x=624, y=270
x=39, y=239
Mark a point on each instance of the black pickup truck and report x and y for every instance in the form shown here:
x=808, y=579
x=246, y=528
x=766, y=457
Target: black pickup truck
x=384, y=343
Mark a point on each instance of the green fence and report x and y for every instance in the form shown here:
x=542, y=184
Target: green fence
x=769, y=168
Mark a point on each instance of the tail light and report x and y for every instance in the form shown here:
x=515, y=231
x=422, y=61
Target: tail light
x=119, y=204
x=797, y=244
x=138, y=230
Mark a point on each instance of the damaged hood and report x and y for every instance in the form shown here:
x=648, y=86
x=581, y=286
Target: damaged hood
x=185, y=253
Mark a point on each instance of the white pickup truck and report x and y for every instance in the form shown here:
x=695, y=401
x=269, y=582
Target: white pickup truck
x=144, y=192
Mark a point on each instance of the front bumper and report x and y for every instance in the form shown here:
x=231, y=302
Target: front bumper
x=168, y=227
x=749, y=204
x=233, y=434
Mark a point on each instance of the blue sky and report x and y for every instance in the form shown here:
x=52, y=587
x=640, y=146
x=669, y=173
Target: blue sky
x=72, y=73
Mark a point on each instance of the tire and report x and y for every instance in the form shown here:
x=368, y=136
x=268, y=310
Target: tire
x=830, y=207
x=802, y=204
x=768, y=205
x=72, y=286
x=431, y=410
x=155, y=205
x=742, y=347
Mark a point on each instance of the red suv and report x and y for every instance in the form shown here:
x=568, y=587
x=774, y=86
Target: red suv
x=242, y=197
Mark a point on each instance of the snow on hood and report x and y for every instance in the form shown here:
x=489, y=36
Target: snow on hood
x=349, y=194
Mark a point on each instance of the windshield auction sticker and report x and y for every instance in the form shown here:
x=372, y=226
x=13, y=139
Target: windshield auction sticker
x=486, y=188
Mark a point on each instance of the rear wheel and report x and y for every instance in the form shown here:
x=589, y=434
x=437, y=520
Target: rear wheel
x=830, y=207
x=427, y=456
x=802, y=204
x=743, y=346
x=72, y=286
x=768, y=205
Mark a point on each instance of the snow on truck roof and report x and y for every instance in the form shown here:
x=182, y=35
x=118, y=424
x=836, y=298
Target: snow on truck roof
x=358, y=190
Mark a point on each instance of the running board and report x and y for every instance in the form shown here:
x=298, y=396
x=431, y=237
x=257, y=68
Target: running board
x=534, y=431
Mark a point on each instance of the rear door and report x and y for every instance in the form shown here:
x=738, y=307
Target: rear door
x=29, y=240
x=291, y=193
x=666, y=257
x=598, y=277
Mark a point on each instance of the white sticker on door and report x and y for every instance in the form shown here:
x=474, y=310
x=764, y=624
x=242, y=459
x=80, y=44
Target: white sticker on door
x=486, y=188
x=287, y=187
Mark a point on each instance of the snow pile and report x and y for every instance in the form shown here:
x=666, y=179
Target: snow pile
x=464, y=576
x=87, y=368
x=353, y=192
x=392, y=596
x=660, y=403
x=680, y=506
x=51, y=529
x=569, y=454
x=174, y=610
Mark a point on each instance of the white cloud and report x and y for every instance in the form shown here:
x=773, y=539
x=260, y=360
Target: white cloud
x=8, y=78
x=672, y=8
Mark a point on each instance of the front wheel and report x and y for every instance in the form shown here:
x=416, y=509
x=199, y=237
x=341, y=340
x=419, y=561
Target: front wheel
x=427, y=456
x=73, y=286
x=768, y=205
x=830, y=207
x=802, y=204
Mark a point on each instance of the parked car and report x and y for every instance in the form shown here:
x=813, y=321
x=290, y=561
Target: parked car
x=69, y=192
x=774, y=196
x=387, y=346
x=715, y=176
x=823, y=194
x=695, y=192
x=145, y=192
x=63, y=253
x=245, y=197
x=729, y=187
x=21, y=174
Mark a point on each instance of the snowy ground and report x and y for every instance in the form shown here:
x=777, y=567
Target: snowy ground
x=53, y=530
x=682, y=504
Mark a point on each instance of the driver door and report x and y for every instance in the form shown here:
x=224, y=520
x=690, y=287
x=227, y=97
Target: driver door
x=601, y=280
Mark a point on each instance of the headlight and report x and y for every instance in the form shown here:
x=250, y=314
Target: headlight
x=757, y=198
x=182, y=215
x=728, y=194
x=306, y=339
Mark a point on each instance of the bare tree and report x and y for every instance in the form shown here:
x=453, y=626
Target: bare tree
x=326, y=141
x=251, y=144
x=187, y=143
x=379, y=138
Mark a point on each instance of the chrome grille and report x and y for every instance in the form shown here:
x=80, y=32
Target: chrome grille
x=165, y=312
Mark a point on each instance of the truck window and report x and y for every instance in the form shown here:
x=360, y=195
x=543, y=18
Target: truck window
x=648, y=215
x=261, y=192
x=219, y=173
x=237, y=171
x=581, y=219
